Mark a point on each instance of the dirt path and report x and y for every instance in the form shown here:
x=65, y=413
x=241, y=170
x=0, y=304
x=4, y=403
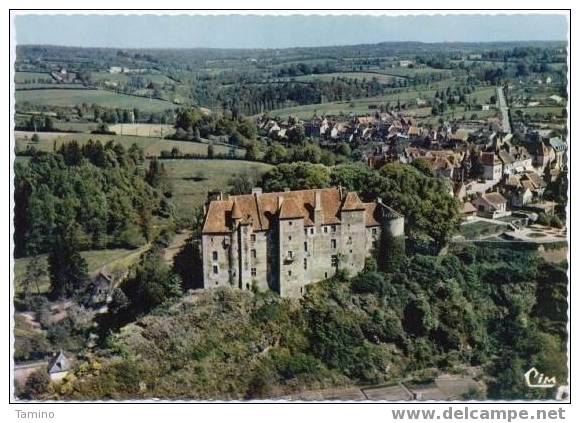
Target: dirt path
x=176, y=245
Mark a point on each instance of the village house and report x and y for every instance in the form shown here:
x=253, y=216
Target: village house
x=492, y=166
x=58, y=367
x=524, y=189
x=468, y=211
x=284, y=241
x=491, y=205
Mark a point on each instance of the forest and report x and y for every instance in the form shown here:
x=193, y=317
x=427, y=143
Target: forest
x=429, y=312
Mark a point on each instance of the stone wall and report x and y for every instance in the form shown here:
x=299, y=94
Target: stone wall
x=218, y=244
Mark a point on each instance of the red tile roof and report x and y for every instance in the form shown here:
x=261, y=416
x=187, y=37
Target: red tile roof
x=352, y=202
x=261, y=210
x=289, y=209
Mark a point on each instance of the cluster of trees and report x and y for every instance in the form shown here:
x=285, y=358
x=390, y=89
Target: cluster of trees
x=452, y=97
x=94, y=195
x=496, y=309
x=257, y=98
x=431, y=213
x=299, y=69
x=40, y=123
x=193, y=124
x=304, y=151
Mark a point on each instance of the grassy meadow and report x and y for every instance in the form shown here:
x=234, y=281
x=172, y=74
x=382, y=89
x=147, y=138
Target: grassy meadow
x=193, y=179
x=73, y=97
x=151, y=146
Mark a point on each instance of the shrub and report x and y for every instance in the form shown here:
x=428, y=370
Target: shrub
x=36, y=385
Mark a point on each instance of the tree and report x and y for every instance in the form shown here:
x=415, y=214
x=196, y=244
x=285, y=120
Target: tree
x=210, y=151
x=241, y=184
x=36, y=385
x=422, y=166
x=343, y=149
x=275, y=154
x=67, y=269
x=296, y=176
x=152, y=283
x=156, y=176
x=35, y=271
x=251, y=151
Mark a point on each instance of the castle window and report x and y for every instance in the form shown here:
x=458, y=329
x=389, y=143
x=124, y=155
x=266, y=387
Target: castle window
x=290, y=223
x=326, y=229
x=305, y=231
x=311, y=231
x=305, y=264
x=253, y=253
x=215, y=255
x=253, y=238
x=289, y=238
x=215, y=269
x=253, y=271
x=290, y=254
x=305, y=246
x=333, y=229
x=374, y=231
x=334, y=260
x=350, y=239
x=289, y=272
x=325, y=275
x=333, y=243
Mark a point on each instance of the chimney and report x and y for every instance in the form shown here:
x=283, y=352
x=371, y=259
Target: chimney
x=318, y=208
x=257, y=191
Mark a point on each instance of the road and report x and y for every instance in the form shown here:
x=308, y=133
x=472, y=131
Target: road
x=504, y=110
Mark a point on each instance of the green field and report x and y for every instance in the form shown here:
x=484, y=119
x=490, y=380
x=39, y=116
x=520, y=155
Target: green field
x=151, y=146
x=70, y=98
x=143, y=129
x=193, y=179
x=360, y=106
x=114, y=259
x=541, y=111
x=22, y=77
x=415, y=71
x=156, y=78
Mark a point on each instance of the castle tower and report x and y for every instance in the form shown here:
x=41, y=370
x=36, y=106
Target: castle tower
x=291, y=279
x=235, y=260
x=353, y=240
x=392, y=241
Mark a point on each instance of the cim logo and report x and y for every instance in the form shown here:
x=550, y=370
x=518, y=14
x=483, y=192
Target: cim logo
x=535, y=379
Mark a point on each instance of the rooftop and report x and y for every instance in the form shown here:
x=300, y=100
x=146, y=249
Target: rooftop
x=261, y=209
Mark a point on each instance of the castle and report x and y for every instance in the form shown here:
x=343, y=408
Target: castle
x=284, y=241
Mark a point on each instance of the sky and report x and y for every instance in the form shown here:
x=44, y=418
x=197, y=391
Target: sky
x=251, y=31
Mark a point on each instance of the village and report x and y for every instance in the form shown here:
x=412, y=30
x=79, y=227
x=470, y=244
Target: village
x=498, y=174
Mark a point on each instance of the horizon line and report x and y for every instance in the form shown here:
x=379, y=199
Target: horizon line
x=297, y=46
